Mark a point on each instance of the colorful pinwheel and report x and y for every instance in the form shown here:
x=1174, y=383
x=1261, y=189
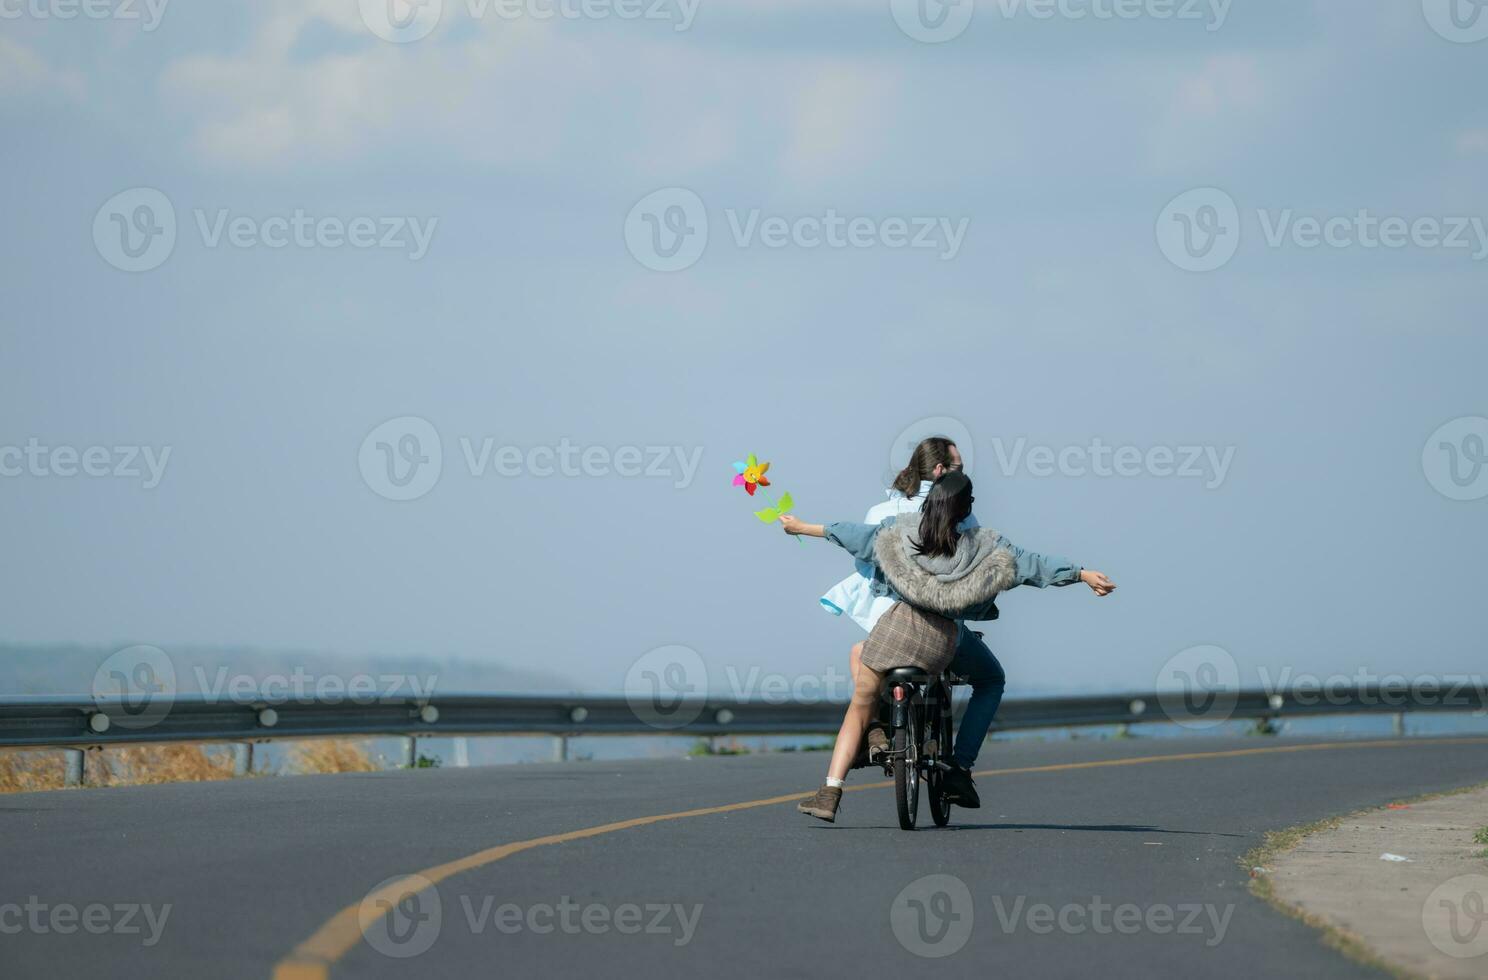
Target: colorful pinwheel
x=750, y=475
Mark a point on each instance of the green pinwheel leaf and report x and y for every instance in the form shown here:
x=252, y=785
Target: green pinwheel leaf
x=769, y=515
x=786, y=503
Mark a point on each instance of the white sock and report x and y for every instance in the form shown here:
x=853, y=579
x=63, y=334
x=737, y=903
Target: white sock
x=835, y=782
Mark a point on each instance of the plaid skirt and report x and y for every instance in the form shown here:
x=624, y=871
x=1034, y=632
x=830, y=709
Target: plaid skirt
x=909, y=637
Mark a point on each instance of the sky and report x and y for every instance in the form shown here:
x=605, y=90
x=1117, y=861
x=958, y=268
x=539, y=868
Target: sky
x=446, y=344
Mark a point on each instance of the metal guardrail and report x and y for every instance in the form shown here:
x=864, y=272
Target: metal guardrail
x=82, y=722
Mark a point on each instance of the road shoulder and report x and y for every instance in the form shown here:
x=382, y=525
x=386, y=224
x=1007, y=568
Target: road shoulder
x=1422, y=917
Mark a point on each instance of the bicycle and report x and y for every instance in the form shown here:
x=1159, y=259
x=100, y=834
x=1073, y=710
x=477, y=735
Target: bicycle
x=920, y=742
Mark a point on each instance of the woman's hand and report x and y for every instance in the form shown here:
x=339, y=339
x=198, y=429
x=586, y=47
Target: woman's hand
x=1097, y=581
x=796, y=526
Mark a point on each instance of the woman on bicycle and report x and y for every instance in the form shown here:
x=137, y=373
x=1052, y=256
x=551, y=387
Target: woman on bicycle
x=863, y=601
x=937, y=572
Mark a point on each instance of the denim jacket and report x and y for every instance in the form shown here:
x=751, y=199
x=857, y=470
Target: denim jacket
x=975, y=601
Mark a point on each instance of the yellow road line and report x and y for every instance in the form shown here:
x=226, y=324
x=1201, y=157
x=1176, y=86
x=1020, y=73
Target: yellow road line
x=312, y=959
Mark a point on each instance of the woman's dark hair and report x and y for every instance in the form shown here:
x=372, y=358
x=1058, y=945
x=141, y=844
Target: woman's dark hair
x=930, y=453
x=946, y=505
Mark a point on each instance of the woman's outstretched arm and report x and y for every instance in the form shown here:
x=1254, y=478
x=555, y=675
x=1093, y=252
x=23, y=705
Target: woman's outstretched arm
x=855, y=539
x=1042, y=571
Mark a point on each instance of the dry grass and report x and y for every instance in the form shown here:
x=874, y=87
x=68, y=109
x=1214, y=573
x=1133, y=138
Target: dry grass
x=144, y=765
x=26, y=772
x=331, y=756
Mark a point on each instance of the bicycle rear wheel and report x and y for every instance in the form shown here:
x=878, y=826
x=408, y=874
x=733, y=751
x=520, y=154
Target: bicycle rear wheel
x=907, y=741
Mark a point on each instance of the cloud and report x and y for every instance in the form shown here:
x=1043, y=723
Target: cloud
x=838, y=121
x=23, y=73
x=1472, y=142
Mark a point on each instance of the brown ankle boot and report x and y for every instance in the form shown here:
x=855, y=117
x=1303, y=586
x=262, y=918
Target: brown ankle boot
x=823, y=805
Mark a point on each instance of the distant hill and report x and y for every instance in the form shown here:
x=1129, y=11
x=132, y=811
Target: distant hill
x=70, y=668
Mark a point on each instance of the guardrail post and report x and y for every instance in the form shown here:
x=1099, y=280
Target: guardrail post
x=1399, y=723
x=410, y=751
x=242, y=753
x=462, y=752
x=560, y=749
x=75, y=772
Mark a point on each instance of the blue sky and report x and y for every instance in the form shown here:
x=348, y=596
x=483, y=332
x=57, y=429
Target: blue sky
x=521, y=146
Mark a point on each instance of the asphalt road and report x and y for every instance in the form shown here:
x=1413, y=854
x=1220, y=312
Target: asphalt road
x=1076, y=867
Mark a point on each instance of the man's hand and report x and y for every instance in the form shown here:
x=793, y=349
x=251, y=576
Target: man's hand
x=1098, y=582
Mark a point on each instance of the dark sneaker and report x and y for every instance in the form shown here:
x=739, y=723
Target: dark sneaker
x=823, y=805
x=958, y=788
x=878, y=744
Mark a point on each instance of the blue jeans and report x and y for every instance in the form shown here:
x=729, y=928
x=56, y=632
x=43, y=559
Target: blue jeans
x=977, y=664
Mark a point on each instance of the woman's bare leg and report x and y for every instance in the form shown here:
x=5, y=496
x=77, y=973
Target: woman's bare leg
x=855, y=722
